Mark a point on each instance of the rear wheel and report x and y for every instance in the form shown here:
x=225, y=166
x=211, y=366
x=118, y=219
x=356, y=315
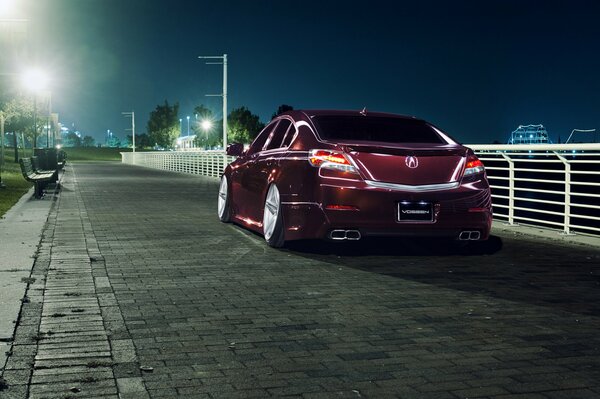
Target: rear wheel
x=273, y=229
x=224, y=201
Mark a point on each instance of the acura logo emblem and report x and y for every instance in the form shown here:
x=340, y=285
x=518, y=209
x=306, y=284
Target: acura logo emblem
x=411, y=162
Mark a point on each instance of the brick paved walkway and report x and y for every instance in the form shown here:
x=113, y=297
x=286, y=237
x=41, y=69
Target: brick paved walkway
x=140, y=292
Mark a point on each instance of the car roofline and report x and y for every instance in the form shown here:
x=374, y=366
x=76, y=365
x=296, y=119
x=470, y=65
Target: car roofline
x=331, y=112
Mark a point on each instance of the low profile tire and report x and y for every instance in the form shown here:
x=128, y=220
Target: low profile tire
x=273, y=228
x=224, y=201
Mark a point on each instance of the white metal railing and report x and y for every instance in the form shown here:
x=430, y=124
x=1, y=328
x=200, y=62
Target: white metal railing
x=205, y=163
x=550, y=185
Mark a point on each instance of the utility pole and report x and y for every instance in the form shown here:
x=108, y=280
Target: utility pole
x=132, y=115
x=49, y=116
x=224, y=94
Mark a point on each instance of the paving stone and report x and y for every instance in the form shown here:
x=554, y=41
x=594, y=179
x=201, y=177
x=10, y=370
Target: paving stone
x=82, y=389
x=132, y=387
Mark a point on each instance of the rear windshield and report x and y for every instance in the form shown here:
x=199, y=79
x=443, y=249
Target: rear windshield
x=375, y=128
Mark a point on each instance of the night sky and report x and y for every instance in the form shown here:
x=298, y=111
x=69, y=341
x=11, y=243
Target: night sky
x=476, y=69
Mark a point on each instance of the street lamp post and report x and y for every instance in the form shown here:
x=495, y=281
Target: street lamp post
x=34, y=121
x=188, y=130
x=206, y=125
x=1, y=147
x=132, y=115
x=49, y=115
x=35, y=80
x=224, y=94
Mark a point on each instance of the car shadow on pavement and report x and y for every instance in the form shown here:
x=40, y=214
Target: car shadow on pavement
x=543, y=273
x=397, y=247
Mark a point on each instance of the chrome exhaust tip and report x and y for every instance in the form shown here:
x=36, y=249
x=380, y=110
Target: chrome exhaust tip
x=340, y=235
x=337, y=235
x=469, y=235
x=353, y=235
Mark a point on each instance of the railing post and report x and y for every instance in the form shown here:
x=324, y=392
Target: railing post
x=511, y=188
x=567, y=219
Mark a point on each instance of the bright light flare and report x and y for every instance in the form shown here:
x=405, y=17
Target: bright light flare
x=35, y=80
x=6, y=7
x=206, y=125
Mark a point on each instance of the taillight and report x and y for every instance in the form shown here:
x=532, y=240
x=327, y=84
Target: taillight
x=474, y=166
x=330, y=160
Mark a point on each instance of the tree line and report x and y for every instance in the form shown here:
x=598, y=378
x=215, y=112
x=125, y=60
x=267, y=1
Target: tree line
x=164, y=126
x=18, y=114
x=25, y=122
x=162, y=129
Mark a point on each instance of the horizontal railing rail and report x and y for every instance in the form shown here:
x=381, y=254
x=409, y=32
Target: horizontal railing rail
x=205, y=163
x=548, y=185
x=555, y=186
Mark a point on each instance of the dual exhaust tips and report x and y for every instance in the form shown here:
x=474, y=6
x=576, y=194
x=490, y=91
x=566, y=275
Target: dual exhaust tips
x=350, y=235
x=469, y=235
x=354, y=235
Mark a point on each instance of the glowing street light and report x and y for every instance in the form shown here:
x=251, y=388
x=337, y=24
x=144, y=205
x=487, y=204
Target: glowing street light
x=35, y=80
x=206, y=125
x=223, y=94
x=6, y=7
x=188, y=119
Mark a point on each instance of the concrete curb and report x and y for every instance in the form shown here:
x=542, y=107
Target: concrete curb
x=20, y=233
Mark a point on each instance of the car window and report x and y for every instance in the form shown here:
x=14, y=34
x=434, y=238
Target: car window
x=289, y=136
x=278, y=134
x=375, y=128
x=262, y=137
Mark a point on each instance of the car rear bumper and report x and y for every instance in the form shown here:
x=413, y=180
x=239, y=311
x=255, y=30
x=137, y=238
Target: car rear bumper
x=374, y=212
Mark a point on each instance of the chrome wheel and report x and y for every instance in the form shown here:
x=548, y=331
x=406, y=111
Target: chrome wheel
x=223, y=201
x=272, y=218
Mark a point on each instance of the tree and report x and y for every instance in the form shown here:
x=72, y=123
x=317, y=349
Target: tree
x=18, y=113
x=163, y=125
x=88, y=141
x=243, y=126
x=202, y=112
x=282, y=108
x=72, y=139
x=141, y=141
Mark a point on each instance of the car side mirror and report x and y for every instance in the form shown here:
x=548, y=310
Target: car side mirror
x=235, y=149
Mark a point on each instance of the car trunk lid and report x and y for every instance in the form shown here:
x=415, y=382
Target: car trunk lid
x=409, y=165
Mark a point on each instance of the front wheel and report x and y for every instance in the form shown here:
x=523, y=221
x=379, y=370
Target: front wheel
x=224, y=201
x=273, y=228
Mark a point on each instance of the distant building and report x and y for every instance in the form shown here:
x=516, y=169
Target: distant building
x=529, y=134
x=185, y=143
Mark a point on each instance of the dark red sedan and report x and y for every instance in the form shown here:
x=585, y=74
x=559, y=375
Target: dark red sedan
x=344, y=175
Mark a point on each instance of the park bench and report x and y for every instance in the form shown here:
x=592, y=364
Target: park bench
x=35, y=161
x=40, y=180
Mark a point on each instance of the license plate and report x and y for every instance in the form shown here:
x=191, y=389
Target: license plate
x=415, y=211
